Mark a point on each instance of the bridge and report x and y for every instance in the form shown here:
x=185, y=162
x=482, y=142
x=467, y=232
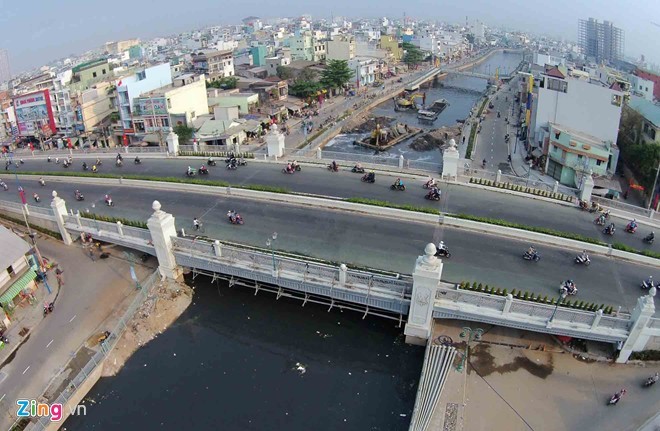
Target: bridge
x=416, y=299
x=414, y=85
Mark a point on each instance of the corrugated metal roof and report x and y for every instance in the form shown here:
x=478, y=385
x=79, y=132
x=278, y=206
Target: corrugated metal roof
x=647, y=109
x=13, y=247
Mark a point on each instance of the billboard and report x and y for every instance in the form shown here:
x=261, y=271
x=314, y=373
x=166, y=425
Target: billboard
x=151, y=106
x=34, y=113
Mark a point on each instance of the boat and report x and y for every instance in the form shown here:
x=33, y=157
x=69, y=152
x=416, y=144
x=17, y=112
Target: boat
x=438, y=106
x=425, y=115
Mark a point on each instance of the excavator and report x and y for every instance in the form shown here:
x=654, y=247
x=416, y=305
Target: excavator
x=408, y=101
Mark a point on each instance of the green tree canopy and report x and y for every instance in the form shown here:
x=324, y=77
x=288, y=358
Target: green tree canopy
x=184, y=133
x=413, y=54
x=284, y=72
x=336, y=74
x=304, y=89
x=225, y=83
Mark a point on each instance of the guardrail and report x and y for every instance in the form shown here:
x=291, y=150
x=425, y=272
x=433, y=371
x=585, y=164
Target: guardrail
x=106, y=347
x=611, y=203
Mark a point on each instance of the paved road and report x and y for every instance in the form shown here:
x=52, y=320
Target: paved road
x=317, y=180
x=490, y=141
x=374, y=242
x=88, y=297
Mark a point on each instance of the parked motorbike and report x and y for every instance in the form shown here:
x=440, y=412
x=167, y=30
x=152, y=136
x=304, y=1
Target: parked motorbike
x=532, y=256
x=104, y=336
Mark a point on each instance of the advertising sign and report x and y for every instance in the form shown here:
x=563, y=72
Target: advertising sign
x=153, y=106
x=34, y=113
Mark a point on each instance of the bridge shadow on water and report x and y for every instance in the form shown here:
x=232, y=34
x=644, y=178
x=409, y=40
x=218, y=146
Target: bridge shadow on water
x=236, y=361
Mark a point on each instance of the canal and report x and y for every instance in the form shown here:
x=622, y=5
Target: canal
x=461, y=92
x=234, y=361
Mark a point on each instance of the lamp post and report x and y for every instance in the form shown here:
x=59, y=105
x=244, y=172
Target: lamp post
x=40, y=269
x=470, y=335
x=269, y=243
x=529, y=171
x=563, y=296
x=655, y=182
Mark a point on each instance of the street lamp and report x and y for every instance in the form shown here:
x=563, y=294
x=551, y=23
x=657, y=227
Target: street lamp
x=40, y=269
x=563, y=296
x=269, y=243
x=470, y=335
x=529, y=171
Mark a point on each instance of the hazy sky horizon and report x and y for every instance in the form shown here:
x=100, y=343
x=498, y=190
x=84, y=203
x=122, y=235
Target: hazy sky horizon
x=51, y=31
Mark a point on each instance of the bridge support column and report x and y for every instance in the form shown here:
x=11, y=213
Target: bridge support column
x=275, y=142
x=162, y=228
x=555, y=188
x=427, y=274
x=120, y=229
x=217, y=248
x=59, y=208
x=498, y=176
x=319, y=153
x=639, y=317
x=343, y=270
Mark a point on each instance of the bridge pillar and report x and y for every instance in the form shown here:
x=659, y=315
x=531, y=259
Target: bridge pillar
x=555, y=188
x=343, y=270
x=162, y=228
x=427, y=274
x=120, y=229
x=450, y=158
x=275, y=142
x=498, y=176
x=319, y=153
x=217, y=248
x=640, y=317
x=59, y=209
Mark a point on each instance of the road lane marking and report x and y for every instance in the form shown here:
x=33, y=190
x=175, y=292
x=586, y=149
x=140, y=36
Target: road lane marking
x=74, y=316
x=51, y=342
x=3, y=397
x=25, y=371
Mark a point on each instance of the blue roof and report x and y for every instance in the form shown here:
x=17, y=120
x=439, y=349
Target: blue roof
x=648, y=110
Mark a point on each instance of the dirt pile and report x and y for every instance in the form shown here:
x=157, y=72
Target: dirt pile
x=436, y=138
x=367, y=125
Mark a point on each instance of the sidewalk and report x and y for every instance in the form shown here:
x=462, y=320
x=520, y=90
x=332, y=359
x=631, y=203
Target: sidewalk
x=519, y=380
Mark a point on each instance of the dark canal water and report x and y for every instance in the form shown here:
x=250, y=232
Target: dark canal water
x=229, y=363
x=461, y=93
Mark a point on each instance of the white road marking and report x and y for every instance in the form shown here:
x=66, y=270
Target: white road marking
x=74, y=316
x=51, y=342
x=3, y=397
x=26, y=369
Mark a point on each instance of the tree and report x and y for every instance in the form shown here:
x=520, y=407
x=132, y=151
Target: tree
x=304, y=89
x=184, y=133
x=413, y=55
x=642, y=159
x=284, y=72
x=336, y=74
x=307, y=74
x=225, y=83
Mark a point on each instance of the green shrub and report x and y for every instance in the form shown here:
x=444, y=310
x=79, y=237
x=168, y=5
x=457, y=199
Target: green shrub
x=480, y=287
x=474, y=285
x=505, y=292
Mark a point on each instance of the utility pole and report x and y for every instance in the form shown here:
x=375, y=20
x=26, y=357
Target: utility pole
x=653, y=189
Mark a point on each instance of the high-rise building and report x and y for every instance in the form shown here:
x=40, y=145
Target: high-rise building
x=5, y=73
x=601, y=42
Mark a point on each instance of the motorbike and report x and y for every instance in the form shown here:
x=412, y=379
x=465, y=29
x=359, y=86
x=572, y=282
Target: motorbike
x=432, y=196
x=584, y=205
x=357, y=170
x=109, y=202
x=211, y=162
x=584, y=260
x=333, y=168
x=532, y=256
x=600, y=221
x=609, y=230
x=118, y=163
x=80, y=197
x=595, y=207
x=443, y=252
x=85, y=167
x=48, y=308
x=616, y=397
x=235, y=219
x=429, y=184
x=98, y=162
x=203, y=171
x=631, y=229
x=647, y=284
x=66, y=164
x=42, y=182
x=368, y=178
x=232, y=166
x=36, y=198
x=649, y=238
x=137, y=161
x=190, y=173
x=400, y=187
x=243, y=162
x=48, y=159
x=606, y=214
x=288, y=171
x=649, y=382
x=3, y=185
x=568, y=289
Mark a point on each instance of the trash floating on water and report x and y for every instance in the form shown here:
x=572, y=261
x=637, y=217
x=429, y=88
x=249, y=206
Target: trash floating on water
x=301, y=368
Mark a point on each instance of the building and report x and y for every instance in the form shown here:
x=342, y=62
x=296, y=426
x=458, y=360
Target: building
x=341, y=47
x=542, y=59
x=132, y=86
x=642, y=87
x=600, y=42
x=84, y=75
x=178, y=103
x=649, y=132
x=585, y=106
x=120, y=46
x=259, y=54
x=220, y=64
x=272, y=63
x=364, y=70
x=572, y=155
x=302, y=47
x=611, y=77
x=34, y=114
x=5, y=70
x=92, y=109
x=644, y=74
x=17, y=274
x=393, y=46
x=246, y=102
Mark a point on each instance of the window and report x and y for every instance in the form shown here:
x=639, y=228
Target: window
x=557, y=85
x=599, y=162
x=93, y=74
x=579, y=157
x=169, y=104
x=616, y=100
x=141, y=75
x=10, y=270
x=103, y=71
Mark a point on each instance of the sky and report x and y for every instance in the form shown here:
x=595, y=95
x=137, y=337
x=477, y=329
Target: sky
x=37, y=31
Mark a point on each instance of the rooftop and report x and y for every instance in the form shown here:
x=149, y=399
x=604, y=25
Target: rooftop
x=13, y=247
x=648, y=110
x=582, y=137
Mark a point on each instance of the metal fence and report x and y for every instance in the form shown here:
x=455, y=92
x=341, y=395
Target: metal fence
x=611, y=203
x=363, y=158
x=39, y=210
x=106, y=347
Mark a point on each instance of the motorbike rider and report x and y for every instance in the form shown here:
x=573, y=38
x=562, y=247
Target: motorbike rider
x=358, y=166
x=570, y=286
x=190, y=171
x=57, y=160
x=84, y=166
x=94, y=168
x=442, y=247
x=649, y=281
x=119, y=157
x=583, y=256
x=531, y=250
x=35, y=196
x=435, y=192
x=294, y=165
x=48, y=159
x=77, y=194
x=210, y=161
x=430, y=183
x=334, y=166
x=601, y=219
x=108, y=200
x=654, y=379
x=289, y=168
x=203, y=170
x=371, y=176
x=3, y=185
x=483, y=163
x=231, y=214
x=196, y=223
x=633, y=224
x=41, y=181
x=398, y=183
x=98, y=162
x=650, y=237
x=610, y=229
